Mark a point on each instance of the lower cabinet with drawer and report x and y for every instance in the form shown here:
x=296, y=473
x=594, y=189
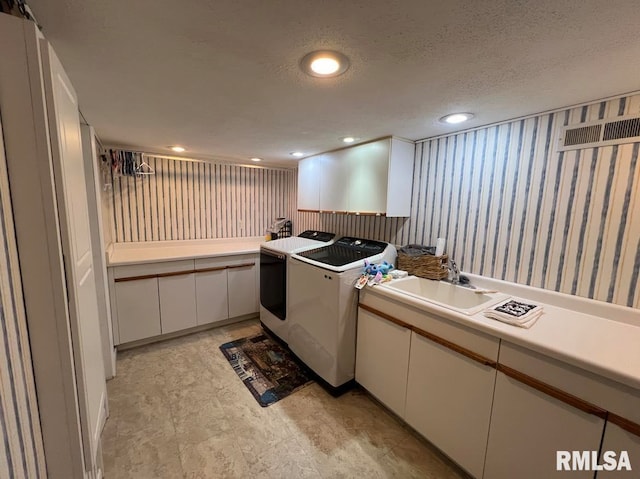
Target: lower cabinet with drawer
x=161, y=298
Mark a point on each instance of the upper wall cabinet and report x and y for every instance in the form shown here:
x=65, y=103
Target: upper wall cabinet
x=369, y=179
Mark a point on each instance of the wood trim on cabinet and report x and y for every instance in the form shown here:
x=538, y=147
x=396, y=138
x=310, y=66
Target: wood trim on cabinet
x=135, y=278
x=432, y=337
x=389, y=318
x=625, y=424
x=181, y=273
x=157, y=275
x=243, y=265
x=206, y=270
x=366, y=213
x=554, y=392
x=454, y=347
x=308, y=211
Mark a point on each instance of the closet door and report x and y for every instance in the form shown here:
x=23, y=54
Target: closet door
x=66, y=149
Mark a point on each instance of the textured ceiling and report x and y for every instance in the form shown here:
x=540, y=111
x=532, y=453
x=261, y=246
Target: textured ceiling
x=221, y=77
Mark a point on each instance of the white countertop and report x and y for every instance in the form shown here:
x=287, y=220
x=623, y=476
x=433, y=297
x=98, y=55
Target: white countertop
x=599, y=337
x=120, y=254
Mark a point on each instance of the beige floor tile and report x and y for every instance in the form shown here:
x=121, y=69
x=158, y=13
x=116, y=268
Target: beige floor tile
x=177, y=407
x=217, y=457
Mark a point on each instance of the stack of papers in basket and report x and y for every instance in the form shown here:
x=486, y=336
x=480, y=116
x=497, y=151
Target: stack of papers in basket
x=515, y=312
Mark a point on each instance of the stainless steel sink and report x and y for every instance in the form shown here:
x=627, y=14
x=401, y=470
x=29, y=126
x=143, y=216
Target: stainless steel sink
x=451, y=296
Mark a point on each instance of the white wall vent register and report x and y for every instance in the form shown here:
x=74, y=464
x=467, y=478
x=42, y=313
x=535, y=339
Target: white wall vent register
x=599, y=133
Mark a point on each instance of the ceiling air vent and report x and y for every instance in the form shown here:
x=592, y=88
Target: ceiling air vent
x=599, y=133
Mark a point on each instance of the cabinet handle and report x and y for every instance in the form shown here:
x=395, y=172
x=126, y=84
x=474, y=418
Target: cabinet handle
x=308, y=211
x=625, y=424
x=432, y=337
x=206, y=270
x=243, y=265
x=180, y=273
x=554, y=392
x=149, y=276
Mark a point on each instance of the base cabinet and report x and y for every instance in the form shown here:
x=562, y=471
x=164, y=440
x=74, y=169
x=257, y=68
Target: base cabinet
x=382, y=359
x=241, y=281
x=138, y=309
x=177, y=302
x=528, y=427
x=212, y=304
x=449, y=400
x=151, y=299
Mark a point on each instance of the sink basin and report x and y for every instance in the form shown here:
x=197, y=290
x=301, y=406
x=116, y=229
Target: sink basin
x=447, y=295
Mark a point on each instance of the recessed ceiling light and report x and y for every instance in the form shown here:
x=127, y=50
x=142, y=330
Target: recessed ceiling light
x=349, y=139
x=178, y=149
x=455, y=118
x=256, y=159
x=324, y=63
x=297, y=154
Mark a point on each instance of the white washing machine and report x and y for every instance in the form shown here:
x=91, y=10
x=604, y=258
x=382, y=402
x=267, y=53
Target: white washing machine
x=323, y=305
x=274, y=284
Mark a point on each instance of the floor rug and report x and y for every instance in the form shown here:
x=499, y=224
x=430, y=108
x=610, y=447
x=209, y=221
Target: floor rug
x=268, y=370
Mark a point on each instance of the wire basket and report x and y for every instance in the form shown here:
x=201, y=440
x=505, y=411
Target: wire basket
x=425, y=266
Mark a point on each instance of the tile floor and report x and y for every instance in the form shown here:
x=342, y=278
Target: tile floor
x=179, y=410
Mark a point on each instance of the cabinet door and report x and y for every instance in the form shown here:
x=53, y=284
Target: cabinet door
x=382, y=359
x=529, y=426
x=211, y=296
x=177, y=302
x=617, y=440
x=138, y=309
x=449, y=401
x=368, y=173
x=309, y=184
x=334, y=172
x=241, y=280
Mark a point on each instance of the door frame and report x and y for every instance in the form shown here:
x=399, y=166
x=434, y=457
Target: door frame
x=39, y=246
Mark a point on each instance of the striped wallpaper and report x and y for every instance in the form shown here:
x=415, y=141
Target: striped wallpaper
x=199, y=200
x=513, y=208
x=21, y=449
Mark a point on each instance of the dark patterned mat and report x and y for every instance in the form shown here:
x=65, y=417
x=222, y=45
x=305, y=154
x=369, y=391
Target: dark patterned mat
x=268, y=370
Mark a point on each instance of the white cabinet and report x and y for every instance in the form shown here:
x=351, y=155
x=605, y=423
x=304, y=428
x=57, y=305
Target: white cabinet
x=617, y=439
x=368, y=177
x=160, y=298
x=138, y=309
x=241, y=281
x=371, y=178
x=212, y=304
x=177, y=302
x=309, y=183
x=382, y=359
x=449, y=399
x=335, y=171
x=529, y=426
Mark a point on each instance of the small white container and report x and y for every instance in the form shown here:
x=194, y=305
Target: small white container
x=440, y=246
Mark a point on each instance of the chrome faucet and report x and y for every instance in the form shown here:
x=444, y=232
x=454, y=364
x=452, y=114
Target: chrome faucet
x=454, y=272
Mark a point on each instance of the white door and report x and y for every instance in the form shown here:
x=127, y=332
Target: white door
x=66, y=148
x=382, y=359
x=177, y=302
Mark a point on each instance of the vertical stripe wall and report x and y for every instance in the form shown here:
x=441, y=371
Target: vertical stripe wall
x=21, y=449
x=512, y=207
x=187, y=200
